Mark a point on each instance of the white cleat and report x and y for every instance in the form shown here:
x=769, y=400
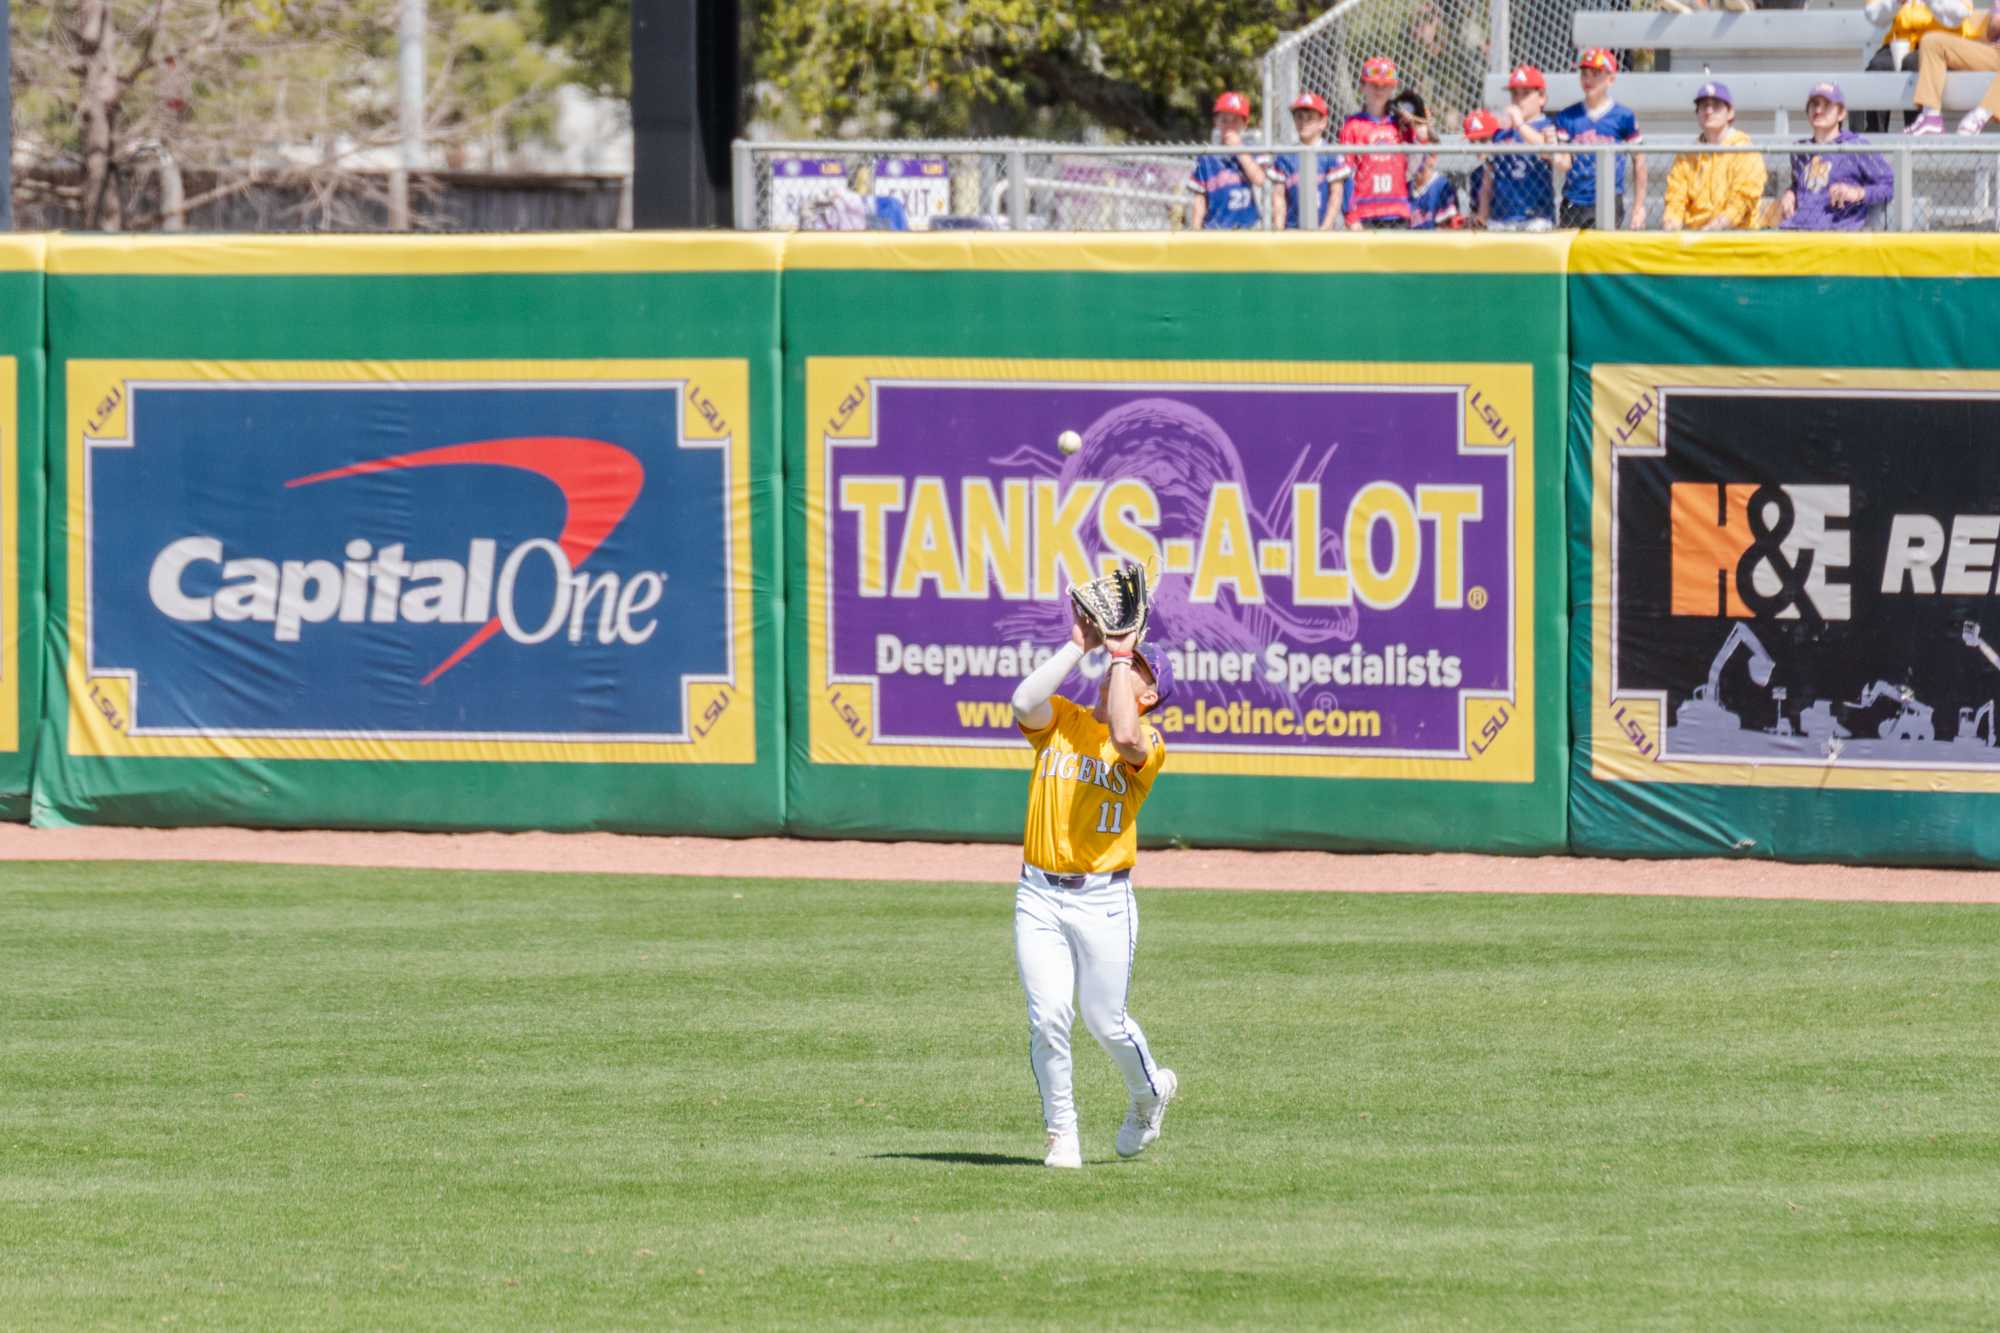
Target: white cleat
x=1065, y=1150
x=1143, y=1121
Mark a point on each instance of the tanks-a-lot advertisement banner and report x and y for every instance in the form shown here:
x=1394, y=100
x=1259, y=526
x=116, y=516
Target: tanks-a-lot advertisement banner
x=1340, y=553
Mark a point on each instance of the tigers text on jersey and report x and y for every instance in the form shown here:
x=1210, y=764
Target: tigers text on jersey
x=1611, y=123
x=1232, y=203
x=1083, y=800
x=1381, y=184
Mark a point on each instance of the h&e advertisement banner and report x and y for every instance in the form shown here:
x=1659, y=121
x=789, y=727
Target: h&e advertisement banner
x=1795, y=577
x=538, y=561
x=1343, y=555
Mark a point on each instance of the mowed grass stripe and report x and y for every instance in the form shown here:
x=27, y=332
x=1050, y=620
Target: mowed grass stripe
x=238, y=1096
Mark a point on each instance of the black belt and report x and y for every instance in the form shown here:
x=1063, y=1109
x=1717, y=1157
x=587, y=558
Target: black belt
x=1078, y=881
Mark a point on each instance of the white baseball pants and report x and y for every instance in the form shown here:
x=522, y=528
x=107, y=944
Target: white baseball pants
x=1076, y=943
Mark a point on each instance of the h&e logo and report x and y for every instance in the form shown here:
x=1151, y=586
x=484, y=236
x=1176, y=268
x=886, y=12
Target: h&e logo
x=1759, y=551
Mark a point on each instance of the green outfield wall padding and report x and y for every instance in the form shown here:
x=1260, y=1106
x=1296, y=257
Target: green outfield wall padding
x=23, y=371
x=1342, y=457
x=448, y=533
x=1784, y=512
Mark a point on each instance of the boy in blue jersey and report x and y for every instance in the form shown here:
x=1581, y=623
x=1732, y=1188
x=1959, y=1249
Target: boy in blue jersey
x=1433, y=195
x=1598, y=120
x=1225, y=185
x=1518, y=193
x=1309, y=118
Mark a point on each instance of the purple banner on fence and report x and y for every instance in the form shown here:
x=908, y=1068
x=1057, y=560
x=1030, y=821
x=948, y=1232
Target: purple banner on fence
x=1335, y=562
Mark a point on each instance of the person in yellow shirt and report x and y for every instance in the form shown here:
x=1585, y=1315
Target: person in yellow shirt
x=1075, y=920
x=1715, y=191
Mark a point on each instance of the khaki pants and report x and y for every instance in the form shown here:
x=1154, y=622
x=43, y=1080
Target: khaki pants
x=1941, y=51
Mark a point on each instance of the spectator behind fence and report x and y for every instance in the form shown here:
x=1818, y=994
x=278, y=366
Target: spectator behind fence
x=1833, y=191
x=1598, y=120
x=1433, y=198
x=1715, y=191
x=1378, y=191
x=1480, y=127
x=1970, y=48
x=1225, y=184
x=1908, y=21
x=855, y=207
x=1309, y=118
x=1518, y=190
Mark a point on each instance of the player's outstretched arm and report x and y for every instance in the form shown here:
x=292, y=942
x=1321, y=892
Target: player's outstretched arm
x=1121, y=700
x=1032, y=695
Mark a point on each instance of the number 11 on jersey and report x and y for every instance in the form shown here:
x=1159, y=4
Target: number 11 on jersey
x=1111, y=817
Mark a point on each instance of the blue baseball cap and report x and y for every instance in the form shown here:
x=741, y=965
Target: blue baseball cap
x=1717, y=91
x=1830, y=91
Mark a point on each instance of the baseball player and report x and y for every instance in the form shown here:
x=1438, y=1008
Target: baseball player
x=1518, y=193
x=1378, y=196
x=1309, y=117
x=1225, y=185
x=1595, y=120
x=1075, y=920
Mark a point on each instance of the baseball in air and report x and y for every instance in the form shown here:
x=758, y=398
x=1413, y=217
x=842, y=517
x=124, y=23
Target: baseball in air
x=1069, y=442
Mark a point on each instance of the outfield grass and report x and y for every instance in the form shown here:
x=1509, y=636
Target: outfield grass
x=271, y=1098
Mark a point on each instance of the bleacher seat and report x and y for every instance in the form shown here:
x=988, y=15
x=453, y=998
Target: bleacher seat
x=1770, y=58
x=1778, y=90
x=1764, y=30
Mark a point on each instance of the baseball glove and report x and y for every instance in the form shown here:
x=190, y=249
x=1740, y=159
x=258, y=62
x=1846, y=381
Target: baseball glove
x=1116, y=603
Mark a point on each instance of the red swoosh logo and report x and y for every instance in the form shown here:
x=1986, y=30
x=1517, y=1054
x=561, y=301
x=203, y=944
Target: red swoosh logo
x=599, y=481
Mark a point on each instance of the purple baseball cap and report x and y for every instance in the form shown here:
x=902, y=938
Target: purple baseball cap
x=1830, y=91
x=1717, y=91
x=1161, y=668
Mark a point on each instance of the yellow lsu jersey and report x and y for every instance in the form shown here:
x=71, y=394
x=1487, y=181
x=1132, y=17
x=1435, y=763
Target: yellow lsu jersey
x=1083, y=800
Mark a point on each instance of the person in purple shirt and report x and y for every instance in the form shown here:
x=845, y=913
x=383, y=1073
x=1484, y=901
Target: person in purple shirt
x=1833, y=191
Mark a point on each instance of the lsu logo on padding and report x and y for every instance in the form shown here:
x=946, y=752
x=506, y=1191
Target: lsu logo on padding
x=543, y=563
x=1760, y=551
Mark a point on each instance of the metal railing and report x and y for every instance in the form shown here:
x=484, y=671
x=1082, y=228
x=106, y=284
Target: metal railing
x=1945, y=183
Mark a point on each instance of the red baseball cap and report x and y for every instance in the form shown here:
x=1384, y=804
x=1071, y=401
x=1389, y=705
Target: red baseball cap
x=1526, y=76
x=1379, y=69
x=1233, y=104
x=1310, y=102
x=1598, y=58
x=1480, y=125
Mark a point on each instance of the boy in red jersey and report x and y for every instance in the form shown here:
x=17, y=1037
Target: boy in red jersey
x=1378, y=193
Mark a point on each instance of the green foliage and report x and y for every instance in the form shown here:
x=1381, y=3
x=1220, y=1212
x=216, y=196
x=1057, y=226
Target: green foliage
x=257, y=1097
x=225, y=80
x=939, y=67
x=597, y=35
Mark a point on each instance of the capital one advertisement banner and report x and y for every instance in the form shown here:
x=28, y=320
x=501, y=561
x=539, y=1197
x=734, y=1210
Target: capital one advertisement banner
x=1342, y=554
x=410, y=560
x=1795, y=577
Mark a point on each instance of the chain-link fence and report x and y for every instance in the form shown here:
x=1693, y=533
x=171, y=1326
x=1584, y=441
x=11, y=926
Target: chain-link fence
x=1443, y=50
x=1894, y=183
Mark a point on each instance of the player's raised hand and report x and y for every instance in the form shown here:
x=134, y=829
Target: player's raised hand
x=1122, y=643
x=1082, y=633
